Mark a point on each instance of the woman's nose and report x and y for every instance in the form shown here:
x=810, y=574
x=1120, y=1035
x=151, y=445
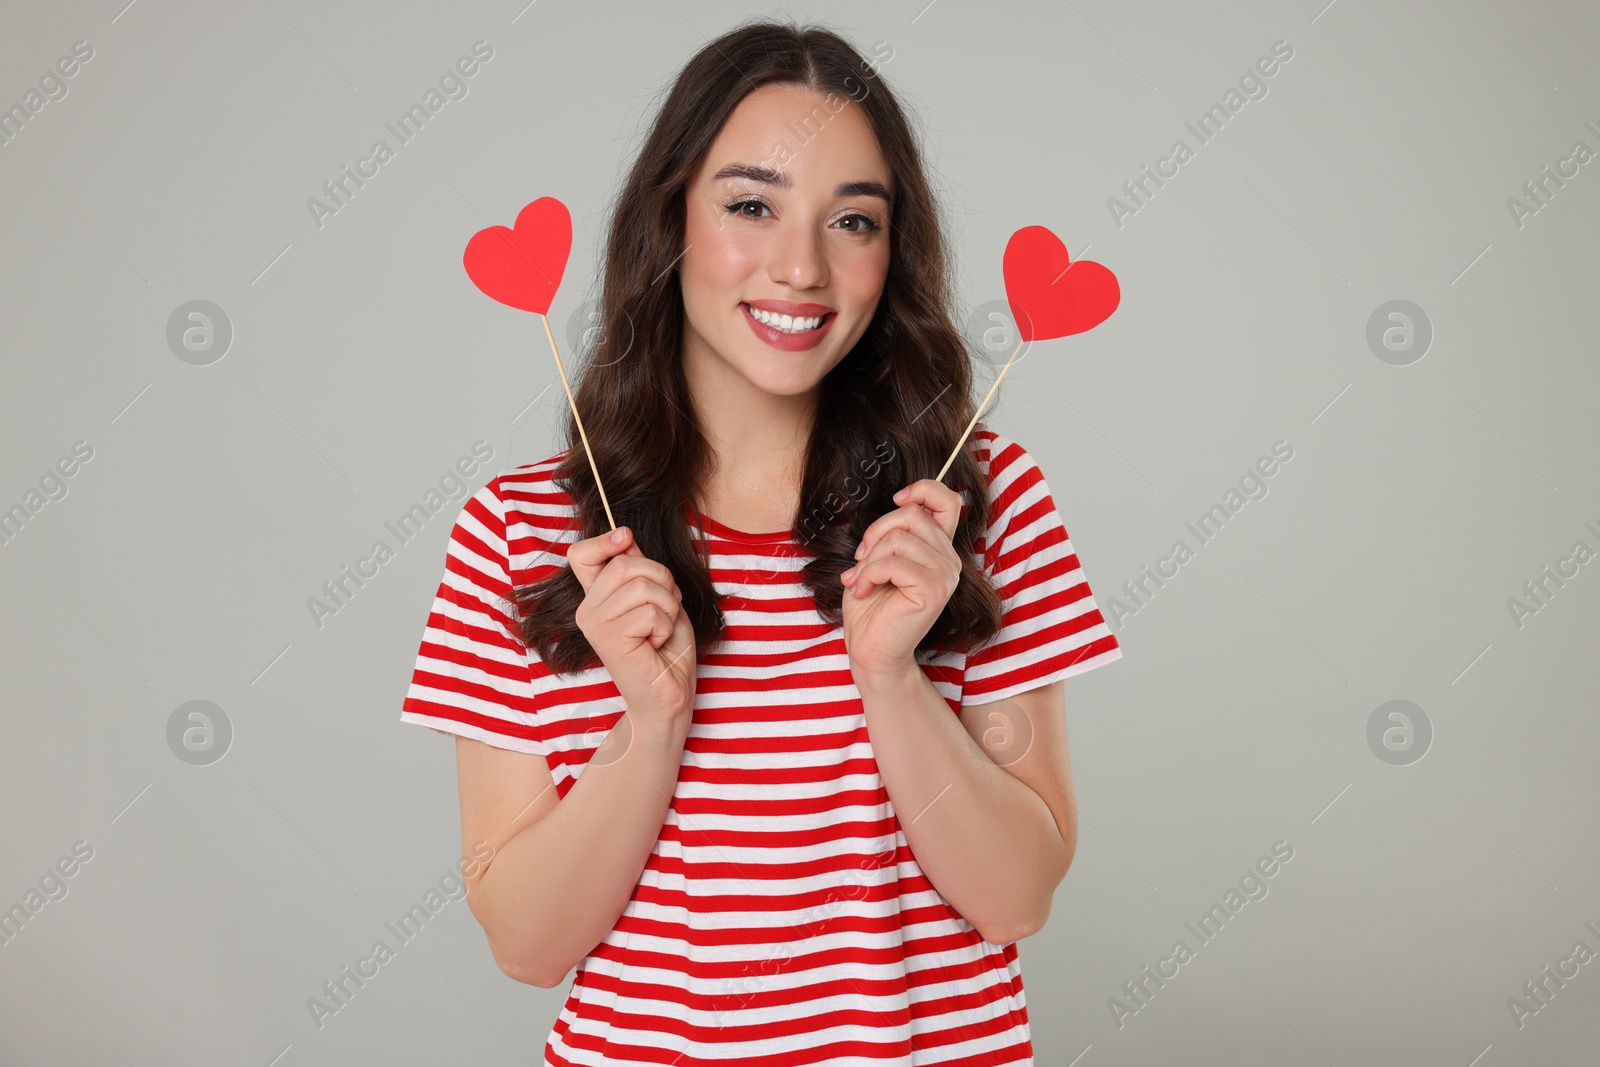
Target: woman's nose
x=799, y=258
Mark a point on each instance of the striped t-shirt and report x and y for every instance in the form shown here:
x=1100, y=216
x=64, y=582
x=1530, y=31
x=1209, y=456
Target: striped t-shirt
x=781, y=918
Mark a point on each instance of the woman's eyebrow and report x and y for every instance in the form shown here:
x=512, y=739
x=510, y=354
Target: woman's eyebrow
x=768, y=176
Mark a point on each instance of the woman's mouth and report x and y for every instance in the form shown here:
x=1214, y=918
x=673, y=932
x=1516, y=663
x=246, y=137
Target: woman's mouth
x=790, y=332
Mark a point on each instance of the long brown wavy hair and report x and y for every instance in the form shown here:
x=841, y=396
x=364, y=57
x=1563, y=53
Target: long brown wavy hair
x=888, y=414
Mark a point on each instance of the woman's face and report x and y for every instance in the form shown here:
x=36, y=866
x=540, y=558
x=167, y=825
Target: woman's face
x=787, y=240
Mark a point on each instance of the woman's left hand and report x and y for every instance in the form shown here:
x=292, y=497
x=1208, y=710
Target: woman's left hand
x=906, y=570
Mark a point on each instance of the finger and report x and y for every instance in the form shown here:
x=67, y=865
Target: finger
x=909, y=516
x=928, y=498
x=941, y=501
x=874, y=605
x=904, y=560
x=647, y=622
x=920, y=540
x=678, y=651
x=638, y=591
x=626, y=566
x=898, y=541
x=650, y=622
x=588, y=556
x=629, y=611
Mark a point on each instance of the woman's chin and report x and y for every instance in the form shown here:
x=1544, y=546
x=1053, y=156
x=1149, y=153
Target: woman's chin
x=783, y=373
x=785, y=385
x=788, y=381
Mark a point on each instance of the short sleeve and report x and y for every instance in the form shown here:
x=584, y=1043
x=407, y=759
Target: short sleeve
x=1050, y=627
x=472, y=676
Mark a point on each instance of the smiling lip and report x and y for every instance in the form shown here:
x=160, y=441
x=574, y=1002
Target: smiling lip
x=789, y=307
x=789, y=342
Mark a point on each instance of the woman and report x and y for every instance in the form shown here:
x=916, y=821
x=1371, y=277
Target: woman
x=771, y=801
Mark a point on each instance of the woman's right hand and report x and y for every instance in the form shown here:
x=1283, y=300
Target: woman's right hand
x=632, y=613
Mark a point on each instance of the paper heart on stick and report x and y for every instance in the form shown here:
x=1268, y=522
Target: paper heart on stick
x=522, y=267
x=1049, y=300
x=1050, y=296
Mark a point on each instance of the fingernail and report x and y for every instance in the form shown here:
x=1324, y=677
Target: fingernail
x=849, y=574
x=619, y=535
x=860, y=548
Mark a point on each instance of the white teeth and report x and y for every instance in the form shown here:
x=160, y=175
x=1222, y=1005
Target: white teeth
x=786, y=323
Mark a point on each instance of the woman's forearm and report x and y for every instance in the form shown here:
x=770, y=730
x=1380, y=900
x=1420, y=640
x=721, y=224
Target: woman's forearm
x=988, y=843
x=557, y=887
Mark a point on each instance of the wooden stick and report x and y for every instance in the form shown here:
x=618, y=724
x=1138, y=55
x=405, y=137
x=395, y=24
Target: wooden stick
x=968, y=431
x=574, y=405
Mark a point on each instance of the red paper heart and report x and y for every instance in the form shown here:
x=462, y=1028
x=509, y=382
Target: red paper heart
x=522, y=267
x=1048, y=300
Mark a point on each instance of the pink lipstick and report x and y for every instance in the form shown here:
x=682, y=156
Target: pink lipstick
x=789, y=326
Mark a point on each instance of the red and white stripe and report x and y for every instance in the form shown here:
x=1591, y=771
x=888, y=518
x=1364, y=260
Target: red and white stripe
x=781, y=918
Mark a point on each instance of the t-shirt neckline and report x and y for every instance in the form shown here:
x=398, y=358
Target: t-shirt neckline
x=727, y=532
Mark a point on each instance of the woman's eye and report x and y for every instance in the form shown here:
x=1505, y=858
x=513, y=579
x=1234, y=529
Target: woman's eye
x=862, y=223
x=750, y=209
x=756, y=209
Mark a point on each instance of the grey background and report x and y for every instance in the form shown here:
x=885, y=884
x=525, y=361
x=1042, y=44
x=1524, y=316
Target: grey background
x=363, y=364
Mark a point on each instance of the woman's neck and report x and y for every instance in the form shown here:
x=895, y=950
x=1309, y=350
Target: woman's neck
x=758, y=442
x=757, y=466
